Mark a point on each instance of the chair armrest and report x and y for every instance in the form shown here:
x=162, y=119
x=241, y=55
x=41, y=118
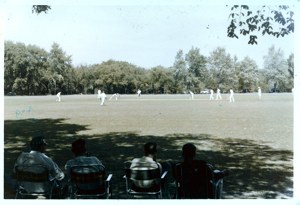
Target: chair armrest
x=220, y=174
x=109, y=177
x=164, y=175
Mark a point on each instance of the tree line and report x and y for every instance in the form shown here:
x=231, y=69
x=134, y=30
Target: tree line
x=31, y=70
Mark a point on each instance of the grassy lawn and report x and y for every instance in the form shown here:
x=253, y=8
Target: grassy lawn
x=251, y=137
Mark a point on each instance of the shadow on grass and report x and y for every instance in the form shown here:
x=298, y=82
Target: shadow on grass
x=256, y=170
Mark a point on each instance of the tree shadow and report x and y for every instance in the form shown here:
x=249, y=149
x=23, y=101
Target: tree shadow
x=256, y=170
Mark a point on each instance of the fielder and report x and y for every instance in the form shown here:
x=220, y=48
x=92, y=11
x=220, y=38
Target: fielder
x=192, y=95
x=218, y=96
x=116, y=95
x=102, y=98
x=259, y=93
x=211, y=97
x=58, y=96
x=231, y=97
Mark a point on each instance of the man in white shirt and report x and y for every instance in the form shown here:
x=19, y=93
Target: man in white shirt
x=259, y=93
x=231, y=97
x=37, y=157
x=58, y=96
x=147, y=162
x=102, y=97
x=139, y=92
x=99, y=93
x=211, y=97
x=192, y=95
x=218, y=96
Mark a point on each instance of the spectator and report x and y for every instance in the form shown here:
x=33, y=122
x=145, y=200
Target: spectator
x=148, y=161
x=82, y=158
x=37, y=157
x=188, y=173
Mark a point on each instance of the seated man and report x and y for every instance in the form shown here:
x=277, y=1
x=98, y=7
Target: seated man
x=82, y=159
x=37, y=157
x=197, y=178
x=147, y=162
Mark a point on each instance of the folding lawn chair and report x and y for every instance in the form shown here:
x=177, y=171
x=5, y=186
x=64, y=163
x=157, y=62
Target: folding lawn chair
x=88, y=182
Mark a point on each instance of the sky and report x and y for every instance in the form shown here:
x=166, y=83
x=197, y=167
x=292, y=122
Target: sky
x=144, y=33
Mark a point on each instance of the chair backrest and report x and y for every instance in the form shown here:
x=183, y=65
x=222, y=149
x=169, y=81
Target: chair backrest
x=143, y=178
x=88, y=178
x=32, y=173
x=33, y=178
x=194, y=180
x=144, y=174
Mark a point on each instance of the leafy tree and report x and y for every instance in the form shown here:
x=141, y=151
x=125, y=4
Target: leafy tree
x=118, y=77
x=247, y=73
x=196, y=63
x=36, y=70
x=25, y=69
x=180, y=73
x=60, y=66
x=222, y=70
x=40, y=8
x=161, y=80
x=276, y=67
x=290, y=63
x=9, y=66
x=197, y=71
x=277, y=21
x=81, y=82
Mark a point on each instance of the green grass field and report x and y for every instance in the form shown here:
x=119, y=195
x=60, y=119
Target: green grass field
x=251, y=137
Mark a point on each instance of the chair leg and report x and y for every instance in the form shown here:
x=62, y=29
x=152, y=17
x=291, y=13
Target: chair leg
x=17, y=194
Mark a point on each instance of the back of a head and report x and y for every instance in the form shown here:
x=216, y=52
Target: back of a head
x=78, y=147
x=188, y=151
x=150, y=148
x=37, y=143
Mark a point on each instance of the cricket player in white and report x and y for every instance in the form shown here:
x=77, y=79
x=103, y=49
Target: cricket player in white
x=231, y=98
x=259, y=93
x=58, y=97
x=116, y=95
x=139, y=92
x=218, y=96
x=211, y=97
x=192, y=95
x=102, y=97
x=99, y=93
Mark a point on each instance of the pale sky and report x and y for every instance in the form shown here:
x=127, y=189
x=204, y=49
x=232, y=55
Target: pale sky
x=145, y=34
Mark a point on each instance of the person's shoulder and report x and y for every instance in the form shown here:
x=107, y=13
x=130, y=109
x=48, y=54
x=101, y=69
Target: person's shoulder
x=93, y=158
x=135, y=160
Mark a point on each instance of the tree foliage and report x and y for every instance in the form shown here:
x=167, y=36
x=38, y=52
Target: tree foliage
x=30, y=70
x=222, y=70
x=277, y=21
x=276, y=67
x=40, y=8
